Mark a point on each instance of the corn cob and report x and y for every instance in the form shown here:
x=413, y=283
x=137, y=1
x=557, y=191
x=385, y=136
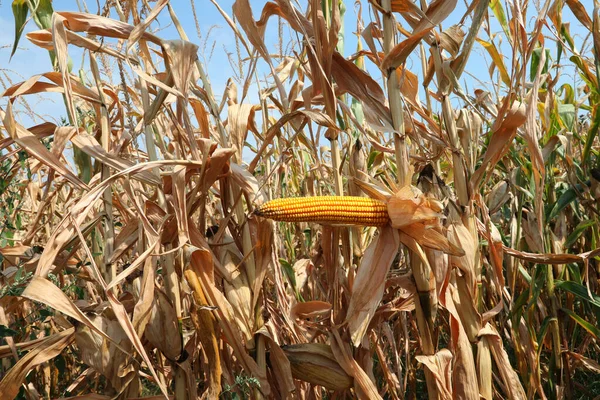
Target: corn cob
x=327, y=210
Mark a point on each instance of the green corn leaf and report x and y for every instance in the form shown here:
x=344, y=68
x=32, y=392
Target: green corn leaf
x=566, y=113
x=594, y=331
x=43, y=14
x=500, y=15
x=20, y=12
x=579, y=291
x=578, y=231
x=564, y=200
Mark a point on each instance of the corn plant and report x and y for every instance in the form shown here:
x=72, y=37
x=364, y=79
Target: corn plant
x=330, y=226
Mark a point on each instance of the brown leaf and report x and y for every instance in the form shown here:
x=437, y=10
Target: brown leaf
x=580, y=13
x=315, y=116
x=89, y=145
x=369, y=283
x=280, y=365
x=205, y=330
x=202, y=264
x=512, y=384
x=30, y=143
x=309, y=309
x=240, y=119
x=351, y=79
x=398, y=55
x=46, y=350
x=503, y=134
x=408, y=206
x=101, y=26
x=440, y=365
x=315, y=363
x=163, y=328
x=103, y=355
x=43, y=39
x=365, y=388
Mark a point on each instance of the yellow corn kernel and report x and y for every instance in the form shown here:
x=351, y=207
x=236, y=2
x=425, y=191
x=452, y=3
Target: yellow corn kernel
x=327, y=210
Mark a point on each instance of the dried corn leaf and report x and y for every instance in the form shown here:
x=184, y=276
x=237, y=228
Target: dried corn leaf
x=31, y=144
x=315, y=363
x=440, y=365
x=369, y=283
x=46, y=350
x=202, y=264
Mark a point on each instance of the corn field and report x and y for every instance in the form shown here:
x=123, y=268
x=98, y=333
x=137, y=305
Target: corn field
x=387, y=223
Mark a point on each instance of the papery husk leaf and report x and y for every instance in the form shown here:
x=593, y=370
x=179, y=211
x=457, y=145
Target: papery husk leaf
x=408, y=205
x=315, y=363
x=369, y=283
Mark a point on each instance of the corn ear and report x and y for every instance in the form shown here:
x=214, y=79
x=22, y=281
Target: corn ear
x=316, y=364
x=327, y=210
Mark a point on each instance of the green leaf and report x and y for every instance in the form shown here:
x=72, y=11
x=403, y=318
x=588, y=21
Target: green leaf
x=584, y=324
x=578, y=231
x=566, y=113
x=45, y=312
x=591, y=136
x=569, y=93
x=6, y=331
x=542, y=333
x=525, y=274
x=498, y=10
x=535, y=62
x=43, y=14
x=20, y=12
x=564, y=200
x=288, y=270
x=579, y=291
x=574, y=273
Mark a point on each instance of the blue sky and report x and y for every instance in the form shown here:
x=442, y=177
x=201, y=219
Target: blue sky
x=30, y=59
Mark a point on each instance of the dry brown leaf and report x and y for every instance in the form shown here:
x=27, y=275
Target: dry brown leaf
x=315, y=116
x=139, y=31
x=102, y=355
x=364, y=387
x=162, y=330
x=89, y=145
x=398, y=55
x=240, y=119
x=202, y=264
x=30, y=143
x=451, y=39
x=205, y=331
x=178, y=188
x=580, y=13
x=122, y=317
x=43, y=39
x=280, y=365
x=504, y=132
x=369, y=283
x=33, y=85
x=351, y=79
x=309, y=309
x=315, y=363
x=512, y=384
x=46, y=350
x=101, y=26
x=408, y=206
x=440, y=365
x=144, y=305
x=464, y=373
x=590, y=364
